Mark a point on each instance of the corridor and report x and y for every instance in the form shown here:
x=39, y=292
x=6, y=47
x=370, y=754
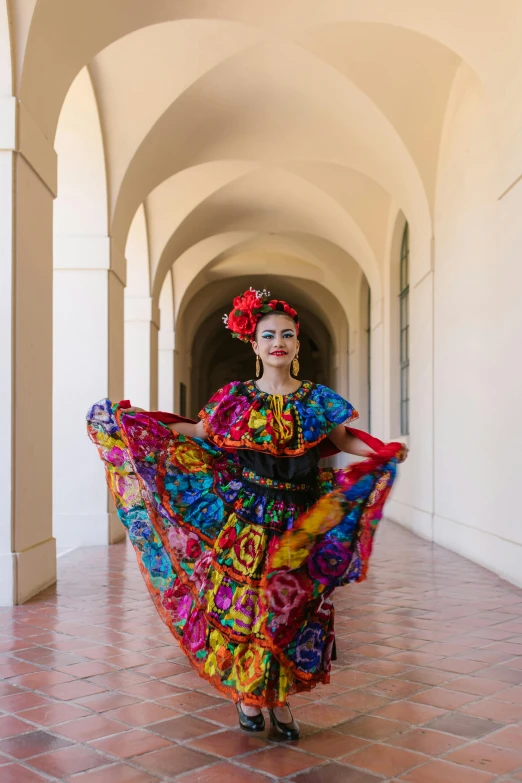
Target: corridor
x=427, y=687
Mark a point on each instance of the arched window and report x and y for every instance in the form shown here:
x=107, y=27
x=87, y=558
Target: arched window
x=404, y=298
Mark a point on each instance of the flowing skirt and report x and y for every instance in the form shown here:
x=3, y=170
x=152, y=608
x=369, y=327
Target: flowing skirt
x=239, y=567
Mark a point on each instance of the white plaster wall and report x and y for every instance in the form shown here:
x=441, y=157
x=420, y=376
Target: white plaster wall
x=478, y=323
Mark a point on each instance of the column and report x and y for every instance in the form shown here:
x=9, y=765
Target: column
x=141, y=351
x=166, y=351
x=27, y=189
x=88, y=365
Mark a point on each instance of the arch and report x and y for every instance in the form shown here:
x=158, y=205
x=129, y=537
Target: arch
x=289, y=129
x=85, y=316
x=81, y=207
x=161, y=48
x=168, y=204
x=178, y=197
x=98, y=26
x=272, y=201
x=259, y=260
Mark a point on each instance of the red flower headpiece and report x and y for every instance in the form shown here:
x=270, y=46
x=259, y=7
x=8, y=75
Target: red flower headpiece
x=249, y=308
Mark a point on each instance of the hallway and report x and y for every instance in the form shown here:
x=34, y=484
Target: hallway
x=427, y=686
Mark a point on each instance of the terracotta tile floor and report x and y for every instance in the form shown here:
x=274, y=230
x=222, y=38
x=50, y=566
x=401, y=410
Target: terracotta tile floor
x=427, y=687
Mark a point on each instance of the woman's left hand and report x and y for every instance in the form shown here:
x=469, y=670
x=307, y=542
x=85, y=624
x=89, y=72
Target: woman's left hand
x=132, y=409
x=403, y=454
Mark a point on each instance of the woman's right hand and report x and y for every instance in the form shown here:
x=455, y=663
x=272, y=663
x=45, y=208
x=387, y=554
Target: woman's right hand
x=132, y=409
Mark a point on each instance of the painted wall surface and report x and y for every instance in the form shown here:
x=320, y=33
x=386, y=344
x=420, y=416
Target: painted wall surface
x=476, y=322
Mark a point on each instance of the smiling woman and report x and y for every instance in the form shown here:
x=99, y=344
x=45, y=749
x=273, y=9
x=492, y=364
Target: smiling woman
x=240, y=535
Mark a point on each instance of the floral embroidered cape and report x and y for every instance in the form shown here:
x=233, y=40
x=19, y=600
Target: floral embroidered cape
x=241, y=416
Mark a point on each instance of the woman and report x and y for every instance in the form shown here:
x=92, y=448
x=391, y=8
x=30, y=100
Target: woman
x=240, y=536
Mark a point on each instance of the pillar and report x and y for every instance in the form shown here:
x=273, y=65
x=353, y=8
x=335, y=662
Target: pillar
x=27, y=189
x=88, y=365
x=141, y=351
x=166, y=349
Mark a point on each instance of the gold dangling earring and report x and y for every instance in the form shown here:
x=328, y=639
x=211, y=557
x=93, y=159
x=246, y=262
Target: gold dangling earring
x=295, y=365
x=258, y=366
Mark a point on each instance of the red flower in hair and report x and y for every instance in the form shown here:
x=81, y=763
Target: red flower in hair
x=248, y=309
x=243, y=325
x=249, y=301
x=242, y=321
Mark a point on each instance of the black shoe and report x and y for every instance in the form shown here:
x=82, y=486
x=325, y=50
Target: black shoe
x=250, y=722
x=290, y=731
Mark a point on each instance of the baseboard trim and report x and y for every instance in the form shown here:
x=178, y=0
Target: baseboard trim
x=25, y=574
x=501, y=557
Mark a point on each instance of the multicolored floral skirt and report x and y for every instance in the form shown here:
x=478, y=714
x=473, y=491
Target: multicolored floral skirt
x=241, y=569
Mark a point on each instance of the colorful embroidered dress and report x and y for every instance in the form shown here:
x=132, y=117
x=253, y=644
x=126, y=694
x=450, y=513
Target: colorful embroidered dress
x=241, y=538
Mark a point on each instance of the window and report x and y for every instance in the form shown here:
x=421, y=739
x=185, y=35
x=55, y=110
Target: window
x=369, y=358
x=404, y=299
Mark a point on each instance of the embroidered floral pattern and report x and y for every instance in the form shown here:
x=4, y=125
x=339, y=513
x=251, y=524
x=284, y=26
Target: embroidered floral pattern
x=241, y=416
x=241, y=577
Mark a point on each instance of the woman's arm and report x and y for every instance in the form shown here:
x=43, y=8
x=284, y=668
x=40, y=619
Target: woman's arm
x=341, y=438
x=192, y=430
x=183, y=427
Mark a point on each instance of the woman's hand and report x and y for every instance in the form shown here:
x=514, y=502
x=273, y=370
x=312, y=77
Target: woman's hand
x=132, y=409
x=403, y=454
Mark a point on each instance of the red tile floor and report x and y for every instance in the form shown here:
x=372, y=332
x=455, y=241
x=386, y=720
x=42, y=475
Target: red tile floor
x=427, y=687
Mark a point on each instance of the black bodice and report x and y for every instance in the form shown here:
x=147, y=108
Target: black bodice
x=298, y=470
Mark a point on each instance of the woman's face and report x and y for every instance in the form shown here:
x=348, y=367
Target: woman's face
x=276, y=341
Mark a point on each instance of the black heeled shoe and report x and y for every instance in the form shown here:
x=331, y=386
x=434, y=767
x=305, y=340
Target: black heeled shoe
x=290, y=731
x=250, y=722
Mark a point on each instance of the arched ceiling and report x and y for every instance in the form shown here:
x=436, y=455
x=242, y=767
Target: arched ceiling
x=264, y=257
x=309, y=121
x=54, y=39
x=271, y=201
x=342, y=206
x=272, y=103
